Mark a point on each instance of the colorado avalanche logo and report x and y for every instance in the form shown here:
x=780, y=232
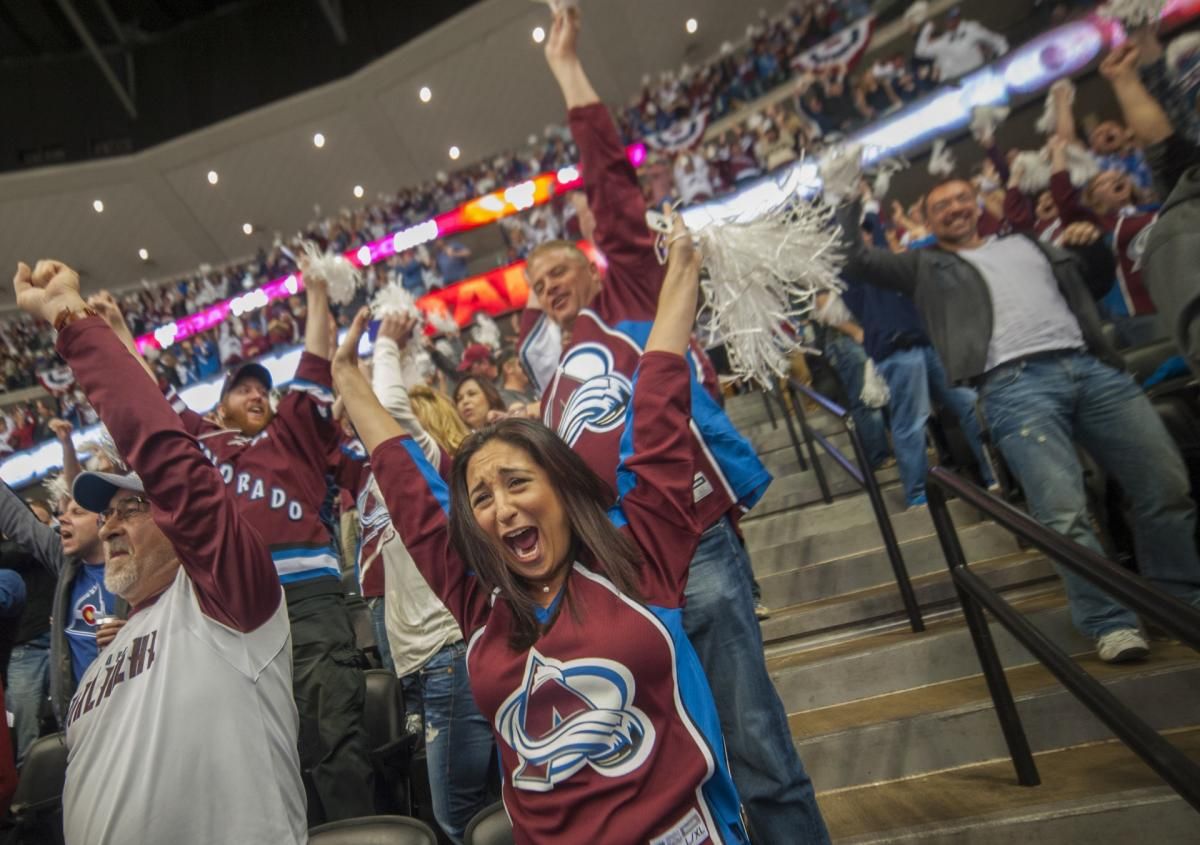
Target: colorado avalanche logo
x=600, y=401
x=572, y=714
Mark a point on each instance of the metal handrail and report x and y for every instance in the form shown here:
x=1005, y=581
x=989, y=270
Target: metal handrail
x=863, y=475
x=975, y=594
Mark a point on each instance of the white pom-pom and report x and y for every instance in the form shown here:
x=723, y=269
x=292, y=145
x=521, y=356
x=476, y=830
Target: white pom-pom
x=985, y=119
x=884, y=171
x=394, y=299
x=56, y=489
x=875, y=393
x=763, y=275
x=840, y=169
x=1034, y=171
x=442, y=322
x=941, y=160
x=1082, y=166
x=1047, y=124
x=1133, y=13
x=485, y=331
x=341, y=277
x=916, y=13
x=105, y=456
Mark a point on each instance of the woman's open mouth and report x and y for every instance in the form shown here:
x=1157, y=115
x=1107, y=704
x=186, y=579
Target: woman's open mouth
x=524, y=543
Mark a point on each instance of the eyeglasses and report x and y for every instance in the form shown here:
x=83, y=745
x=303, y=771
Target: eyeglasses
x=125, y=509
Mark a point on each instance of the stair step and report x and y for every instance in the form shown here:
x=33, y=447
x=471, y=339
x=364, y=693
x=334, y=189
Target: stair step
x=825, y=579
x=933, y=591
x=882, y=663
x=951, y=724
x=850, y=509
x=1097, y=793
x=801, y=488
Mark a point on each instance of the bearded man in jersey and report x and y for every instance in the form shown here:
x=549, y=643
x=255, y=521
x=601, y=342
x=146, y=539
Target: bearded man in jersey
x=272, y=462
x=588, y=385
x=196, y=687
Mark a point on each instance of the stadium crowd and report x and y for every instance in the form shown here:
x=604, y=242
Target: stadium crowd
x=480, y=539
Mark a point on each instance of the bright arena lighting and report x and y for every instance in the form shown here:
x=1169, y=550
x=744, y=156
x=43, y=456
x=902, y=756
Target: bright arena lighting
x=213, y=178
x=144, y=254
x=455, y=152
x=425, y=94
x=358, y=191
x=318, y=140
x=691, y=26
x=248, y=228
x=539, y=35
x=98, y=205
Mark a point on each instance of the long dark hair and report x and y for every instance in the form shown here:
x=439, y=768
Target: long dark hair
x=585, y=499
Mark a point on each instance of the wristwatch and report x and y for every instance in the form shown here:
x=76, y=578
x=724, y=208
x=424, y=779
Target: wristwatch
x=69, y=315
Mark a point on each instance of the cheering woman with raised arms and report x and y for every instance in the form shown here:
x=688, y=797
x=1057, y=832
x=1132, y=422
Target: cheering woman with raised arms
x=570, y=599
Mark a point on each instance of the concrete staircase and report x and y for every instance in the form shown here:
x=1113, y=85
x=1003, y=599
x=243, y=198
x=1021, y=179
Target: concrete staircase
x=897, y=729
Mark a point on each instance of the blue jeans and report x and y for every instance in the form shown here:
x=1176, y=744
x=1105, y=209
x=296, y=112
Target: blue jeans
x=28, y=688
x=916, y=379
x=719, y=619
x=376, y=606
x=458, y=741
x=1037, y=411
x=848, y=359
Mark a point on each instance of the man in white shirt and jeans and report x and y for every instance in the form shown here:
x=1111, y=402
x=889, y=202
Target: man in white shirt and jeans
x=1018, y=318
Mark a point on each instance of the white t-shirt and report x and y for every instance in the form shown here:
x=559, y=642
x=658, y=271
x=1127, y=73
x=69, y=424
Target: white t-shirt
x=1029, y=314
x=183, y=731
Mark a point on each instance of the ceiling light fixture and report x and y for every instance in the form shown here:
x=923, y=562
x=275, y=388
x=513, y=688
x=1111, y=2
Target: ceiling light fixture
x=455, y=152
x=425, y=94
x=248, y=228
x=98, y=205
x=358, y=191
x=318, y=140
x=213, y=178
x=539, y=35
x=691, y=26
x=144, y=254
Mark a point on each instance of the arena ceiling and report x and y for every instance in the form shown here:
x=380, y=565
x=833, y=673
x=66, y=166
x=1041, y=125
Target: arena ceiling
x=177, y=88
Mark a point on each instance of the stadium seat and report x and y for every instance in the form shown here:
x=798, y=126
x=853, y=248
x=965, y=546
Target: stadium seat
x=373, y=830
x=37, y=804
x=489, y=827
x=389, y=747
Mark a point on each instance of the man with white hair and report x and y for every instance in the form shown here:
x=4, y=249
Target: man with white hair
x=197, y=687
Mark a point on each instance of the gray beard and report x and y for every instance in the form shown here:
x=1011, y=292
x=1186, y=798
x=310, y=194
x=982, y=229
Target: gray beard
x=119, y=581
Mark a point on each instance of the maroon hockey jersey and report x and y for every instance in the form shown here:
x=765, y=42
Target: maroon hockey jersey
x=606, y=726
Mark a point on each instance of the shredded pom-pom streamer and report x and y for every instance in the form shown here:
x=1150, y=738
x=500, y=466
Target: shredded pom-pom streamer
x=485, y=331
x=941, y=160
x=56, y=489
x=442, y=322
x=1047, y=124
x=341, y=277
x=985, y=119
x=884, y=171
x=1133, y=13
x=763, y=275
x=1033, y=168
x=394, y=299
x=840, y=169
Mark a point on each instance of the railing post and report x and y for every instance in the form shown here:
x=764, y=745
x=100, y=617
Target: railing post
x=884, y=519
x=985, y=646
x=798, y=407
x=791, y=428
x=770, y=410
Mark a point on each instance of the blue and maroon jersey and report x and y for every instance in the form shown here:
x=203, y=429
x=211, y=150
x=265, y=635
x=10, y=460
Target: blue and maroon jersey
x=606, y=726
x=278, y=477
x=587, y=400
